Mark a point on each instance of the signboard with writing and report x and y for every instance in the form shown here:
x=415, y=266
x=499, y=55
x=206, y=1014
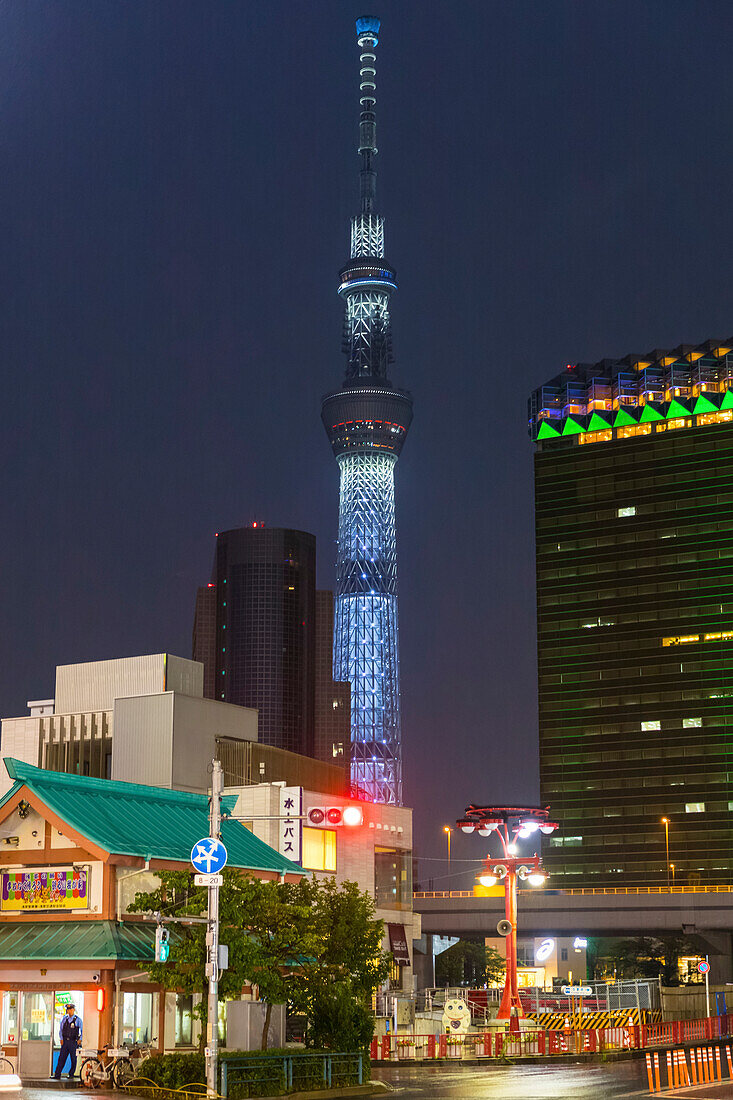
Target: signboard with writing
x=398, y=944
x=291, y=803
x=23, y=891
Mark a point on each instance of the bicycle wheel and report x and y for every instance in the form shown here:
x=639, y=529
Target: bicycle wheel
x=92, y=1073
x=122, y=1073
x=6, y=1066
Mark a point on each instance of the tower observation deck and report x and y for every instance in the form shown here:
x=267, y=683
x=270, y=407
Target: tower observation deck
x=367, y=421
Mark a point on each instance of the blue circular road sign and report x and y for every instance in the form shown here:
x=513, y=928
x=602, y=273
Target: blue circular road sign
x=208, y=856
x=703, y=967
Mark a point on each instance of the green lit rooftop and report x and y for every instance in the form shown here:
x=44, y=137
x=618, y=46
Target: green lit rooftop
x=639, y=395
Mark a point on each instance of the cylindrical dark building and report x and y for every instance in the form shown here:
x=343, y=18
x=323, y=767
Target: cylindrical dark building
x=265, y=630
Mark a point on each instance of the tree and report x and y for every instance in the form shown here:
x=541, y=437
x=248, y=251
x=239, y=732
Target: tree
x=642, y=956
x=279, y=940
x=264, y=927
x=296, y=942
x=339, y=1018
x=470, y=963
x=349, y=969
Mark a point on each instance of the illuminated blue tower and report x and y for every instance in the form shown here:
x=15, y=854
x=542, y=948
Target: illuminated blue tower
x=367, y=422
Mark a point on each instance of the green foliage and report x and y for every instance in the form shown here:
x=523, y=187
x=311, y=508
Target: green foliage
x=340, y=1020
x=641, y=957
x=469, y=963
x=339, y=982
x=311, y=944
x=258, y=1073
x=173, y=1071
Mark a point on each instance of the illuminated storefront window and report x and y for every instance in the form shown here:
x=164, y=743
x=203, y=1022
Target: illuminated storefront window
x=319, y=849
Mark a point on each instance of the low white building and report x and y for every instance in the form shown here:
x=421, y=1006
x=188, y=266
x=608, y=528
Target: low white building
x=375, y=852
x=134, y=719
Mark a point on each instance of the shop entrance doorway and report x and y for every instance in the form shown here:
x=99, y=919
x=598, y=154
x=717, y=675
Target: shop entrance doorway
x=62, y=998
x=40, y=1018
x=36, y=1034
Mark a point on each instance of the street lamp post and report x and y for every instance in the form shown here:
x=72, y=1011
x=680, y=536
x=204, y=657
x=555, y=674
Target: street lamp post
x=502, y=821
x=447, y=830
x=665, y=822
x=671, y=867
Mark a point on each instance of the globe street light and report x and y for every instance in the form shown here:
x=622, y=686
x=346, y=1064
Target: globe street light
x=509, y=824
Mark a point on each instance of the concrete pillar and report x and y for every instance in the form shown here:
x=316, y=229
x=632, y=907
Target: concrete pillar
x=719, y=947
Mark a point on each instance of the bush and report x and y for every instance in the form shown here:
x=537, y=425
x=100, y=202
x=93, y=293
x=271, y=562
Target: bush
x=261, y=1076
x=174, y=1071
x=340, y=1021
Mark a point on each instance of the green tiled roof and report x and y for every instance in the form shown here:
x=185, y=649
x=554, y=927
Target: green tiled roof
x=77, y=939
x=136, y=820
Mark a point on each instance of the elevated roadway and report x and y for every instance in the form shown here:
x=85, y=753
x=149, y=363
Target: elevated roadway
x=703, y=912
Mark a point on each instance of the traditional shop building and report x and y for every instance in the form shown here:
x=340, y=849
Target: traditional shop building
x=74, y=851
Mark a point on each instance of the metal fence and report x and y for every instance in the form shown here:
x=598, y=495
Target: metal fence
x=543, y=1042
x=605, y=996
x=270, y=1075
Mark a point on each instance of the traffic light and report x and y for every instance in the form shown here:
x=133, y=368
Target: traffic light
x=162, y=947
x=350, y=816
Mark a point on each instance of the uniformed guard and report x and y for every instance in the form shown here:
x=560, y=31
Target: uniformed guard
x=70, y=1035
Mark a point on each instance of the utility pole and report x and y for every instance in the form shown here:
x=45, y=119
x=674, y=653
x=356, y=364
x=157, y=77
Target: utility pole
x=212, y=943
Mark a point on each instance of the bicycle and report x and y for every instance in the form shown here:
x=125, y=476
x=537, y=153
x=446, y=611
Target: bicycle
x=9, y=1079
x=119, y=1068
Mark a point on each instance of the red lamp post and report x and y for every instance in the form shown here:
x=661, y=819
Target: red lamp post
x=503, y=821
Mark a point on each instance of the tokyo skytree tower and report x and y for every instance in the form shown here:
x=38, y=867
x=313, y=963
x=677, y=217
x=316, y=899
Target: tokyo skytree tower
x=367, y=421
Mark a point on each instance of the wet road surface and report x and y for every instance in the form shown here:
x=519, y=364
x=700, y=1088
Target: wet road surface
x=615, y=1081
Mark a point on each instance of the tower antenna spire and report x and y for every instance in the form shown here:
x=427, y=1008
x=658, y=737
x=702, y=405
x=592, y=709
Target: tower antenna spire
x=367, y=35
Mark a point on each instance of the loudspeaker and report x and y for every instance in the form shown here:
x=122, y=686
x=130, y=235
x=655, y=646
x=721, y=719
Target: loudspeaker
x=504, y=927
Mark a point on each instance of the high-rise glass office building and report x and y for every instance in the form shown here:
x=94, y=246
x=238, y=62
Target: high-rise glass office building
x=263, y=586
x=634, y=534
x=265, y=638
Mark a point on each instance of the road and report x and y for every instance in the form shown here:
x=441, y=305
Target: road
x=615, y=1081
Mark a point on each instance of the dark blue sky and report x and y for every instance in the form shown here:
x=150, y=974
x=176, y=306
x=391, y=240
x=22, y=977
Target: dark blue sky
x=175, y=187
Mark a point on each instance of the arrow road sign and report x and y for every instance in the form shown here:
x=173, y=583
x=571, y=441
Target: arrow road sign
x=208, y=856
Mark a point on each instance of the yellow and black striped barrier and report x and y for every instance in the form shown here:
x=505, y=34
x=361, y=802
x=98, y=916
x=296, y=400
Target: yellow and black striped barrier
x=581, y=1021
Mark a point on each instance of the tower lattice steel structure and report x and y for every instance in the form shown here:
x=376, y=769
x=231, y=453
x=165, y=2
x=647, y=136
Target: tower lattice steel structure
x=367, y=422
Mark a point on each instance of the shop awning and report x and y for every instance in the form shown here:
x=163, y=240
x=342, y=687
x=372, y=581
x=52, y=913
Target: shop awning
x=83, y=939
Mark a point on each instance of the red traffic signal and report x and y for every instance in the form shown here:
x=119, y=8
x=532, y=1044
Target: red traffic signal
x=351, y=816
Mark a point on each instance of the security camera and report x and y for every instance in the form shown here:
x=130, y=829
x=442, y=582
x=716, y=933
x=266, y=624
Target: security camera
x=96, y=978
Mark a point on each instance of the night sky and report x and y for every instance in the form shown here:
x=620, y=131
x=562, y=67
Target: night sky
x=176, y=182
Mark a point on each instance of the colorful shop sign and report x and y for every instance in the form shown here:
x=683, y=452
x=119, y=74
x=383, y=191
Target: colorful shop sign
x=23, y=891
